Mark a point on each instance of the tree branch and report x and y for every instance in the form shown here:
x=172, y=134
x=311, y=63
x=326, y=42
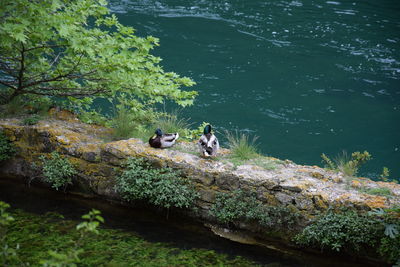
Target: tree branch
x=60, y=77
x=43, y=46
x=8, y=85
x=22, y=68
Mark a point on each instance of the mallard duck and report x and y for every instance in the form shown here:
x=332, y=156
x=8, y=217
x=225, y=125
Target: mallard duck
x=161, y=140
x=208, y=143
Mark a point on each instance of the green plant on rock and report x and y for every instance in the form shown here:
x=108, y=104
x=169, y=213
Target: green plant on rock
x=78, y=51
x=244, y=205
x=345, y=164
x=161, y=187
x=7, y=149
x=241, y=146
x=377, y=230
x=31, y=120
x=57, y=171
x=385, y=174
x=339, y=231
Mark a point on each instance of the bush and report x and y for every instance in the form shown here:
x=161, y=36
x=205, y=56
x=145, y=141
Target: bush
x=349, y=231
x=32, y=120
x=7, y=149
x=242, y=205
x=57, y=171
x=338, y=231
x=389, y=219
x=162, y=187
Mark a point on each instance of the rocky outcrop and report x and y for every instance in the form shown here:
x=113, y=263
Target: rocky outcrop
x=306, y=189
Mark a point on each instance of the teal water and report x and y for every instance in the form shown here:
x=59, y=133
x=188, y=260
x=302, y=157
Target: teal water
x=307, y=77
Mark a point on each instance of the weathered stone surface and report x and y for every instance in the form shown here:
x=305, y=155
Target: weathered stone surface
x=308, y=189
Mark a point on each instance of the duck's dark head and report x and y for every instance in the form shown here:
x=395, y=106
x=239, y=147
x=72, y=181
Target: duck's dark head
x=207, y=129
x=158, y=132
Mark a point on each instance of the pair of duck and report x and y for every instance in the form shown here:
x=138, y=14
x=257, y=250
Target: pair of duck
x=208, y=143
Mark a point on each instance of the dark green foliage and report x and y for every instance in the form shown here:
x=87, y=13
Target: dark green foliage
x=389, y=219
x=390, y=248
x=162, y=187
x=32, y=120
x=338, y=231
x=36, y=235
x=7, y=149
x=239, y=205
x=57, y=171
x=351, y=232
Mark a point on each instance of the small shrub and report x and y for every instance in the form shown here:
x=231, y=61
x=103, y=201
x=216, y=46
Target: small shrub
x=242, y=205
x=7, y=149
x=162, y=187
x=241, y=146
x=57, y=171
x=345, y=164
x=339, y=231
x=32, y=120
x=385, y=174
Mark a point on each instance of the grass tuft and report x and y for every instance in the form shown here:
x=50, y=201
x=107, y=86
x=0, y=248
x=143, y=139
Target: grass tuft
x=242, y=146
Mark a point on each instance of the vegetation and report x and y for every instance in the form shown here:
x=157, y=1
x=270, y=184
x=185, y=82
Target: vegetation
x=31, y=120
x=353, y=232
x=36, y=235
x=7, y=149
x=71, y=257
x=8, y=253
x=345, y=164
x=243, y=205
x=241, y=146
x=161, y=187
x=380, y=191
x=70, y=52
x=57, y=171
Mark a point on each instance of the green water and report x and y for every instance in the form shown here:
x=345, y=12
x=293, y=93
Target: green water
x=307, y=77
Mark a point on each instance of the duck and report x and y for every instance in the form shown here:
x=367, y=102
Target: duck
x=163, y=140
x=208, y=143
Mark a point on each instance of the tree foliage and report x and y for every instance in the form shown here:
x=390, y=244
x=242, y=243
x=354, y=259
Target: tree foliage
x=78, y=50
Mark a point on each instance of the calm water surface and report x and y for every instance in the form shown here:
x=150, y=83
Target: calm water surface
x=307, y=77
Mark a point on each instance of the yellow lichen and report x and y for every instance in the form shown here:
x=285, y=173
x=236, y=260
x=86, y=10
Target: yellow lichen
x=375, y=202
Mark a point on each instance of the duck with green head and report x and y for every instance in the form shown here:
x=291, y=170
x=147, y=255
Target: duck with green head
x=208, y=143
x=163, y=140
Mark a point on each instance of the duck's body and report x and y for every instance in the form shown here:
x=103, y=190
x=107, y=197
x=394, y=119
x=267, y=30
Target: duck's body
x=208, y=143
x=161, y=140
